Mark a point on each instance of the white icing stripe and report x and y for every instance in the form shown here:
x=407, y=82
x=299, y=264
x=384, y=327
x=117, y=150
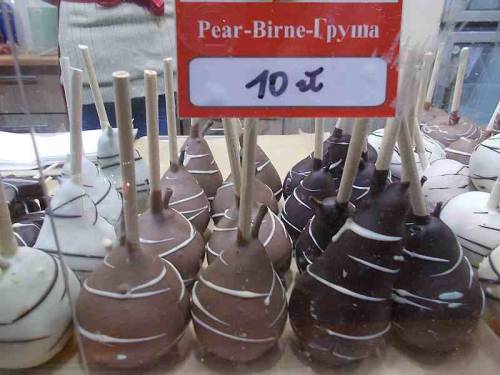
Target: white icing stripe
x=104, y=339
x=183, y=287
x=279, y=314
x=260, y=168
x=273, y=229
x=309, y=261
x=347, y=357
x=453, y=151
x=232, y=292
x=188, y=157
x=351, y=337
x=267, y=301
x=313, y=190
x=130, y=294
x=192, y=234
x=209, y=171
x=230, y=229
x=278, y=192
x=424, y=257
x=300, y=201
x=223, y=260
x=227, y=335
x=406, y=301
x=146, y=241
x=405, y=293
x=218, y=215
x=186, y=199
x=375, y=266
x=366, y=189
x=198, y=214
x=106, y=263
x=312, y=236
x=471, y=272
x=459, y=260
x=283, y=217
x=20, y=239
x=209, y=249
x=343, y=290
x=198, y=304
x=364, y=232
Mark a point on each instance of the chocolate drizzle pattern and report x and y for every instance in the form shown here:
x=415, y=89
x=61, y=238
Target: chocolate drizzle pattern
x=81, y=231
x=446, y=130
x=484, y=163
x=476, y=227
x=340, y=308
x=35, y=315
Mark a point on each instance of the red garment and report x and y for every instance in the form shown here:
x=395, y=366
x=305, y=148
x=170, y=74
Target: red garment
x=156, y=7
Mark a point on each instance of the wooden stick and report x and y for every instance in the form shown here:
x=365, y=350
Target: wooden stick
x=123, y=113
x=410, y=169
x=424, y=80
x=76, y=146
x=494, y=199
x=94, y=86
x=352, y=161
x=233, y=152
x=247, y=181
x=171, y=117
x=319, y=134
x=391, y=132
x=150, y=82
x=494, y=118
x=8, y=243
x=459, y=83
x=434, y=77
x=66, y=80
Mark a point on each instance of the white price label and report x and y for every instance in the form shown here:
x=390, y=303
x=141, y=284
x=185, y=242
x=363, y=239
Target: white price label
x=287, y=82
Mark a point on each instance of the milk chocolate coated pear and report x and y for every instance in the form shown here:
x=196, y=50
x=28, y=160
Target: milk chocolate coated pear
x=272, y=235
x=239, y=303
x=169, y=235
x=225, y=197
x=188, y=197
x=197, y=158
x=340, y=308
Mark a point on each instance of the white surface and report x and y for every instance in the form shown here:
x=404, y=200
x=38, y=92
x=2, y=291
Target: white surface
x=16, y=149
x=347, y=82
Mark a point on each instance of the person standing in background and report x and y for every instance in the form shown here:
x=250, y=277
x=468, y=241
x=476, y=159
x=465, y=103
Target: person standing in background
x=130, y=35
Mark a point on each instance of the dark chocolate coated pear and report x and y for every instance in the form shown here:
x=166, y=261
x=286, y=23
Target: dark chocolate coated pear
x=329, y=217
x=334, y=155
x=298, y=208
x=437, y=298
x=132, y=310
x=199, y=161
x=272, y=235
x=169, y=235
x=188, y=197
x=340, y=308
x=238, y=303
x=225, y=198
x=448, y=129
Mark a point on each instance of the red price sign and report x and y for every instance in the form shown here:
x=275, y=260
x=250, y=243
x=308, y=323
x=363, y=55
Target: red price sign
x=323, y=58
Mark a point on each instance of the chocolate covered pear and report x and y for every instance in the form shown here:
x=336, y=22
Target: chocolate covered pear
x=188, y=196
x=131, y=283
x=197, y=158
x=437, y=299
x=239, y=303
x=340, y=308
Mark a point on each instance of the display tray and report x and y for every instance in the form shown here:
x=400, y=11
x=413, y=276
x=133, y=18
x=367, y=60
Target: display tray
x=481, y=356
